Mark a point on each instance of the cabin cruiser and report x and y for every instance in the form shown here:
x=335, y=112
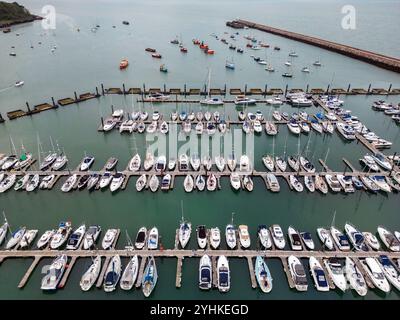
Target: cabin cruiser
x=369, y=163
x=295, y=240
x=15, y=238
x=105, y=180
x=90, y=276
x=293, y=127
x=27, y=238
x=134, y=163
x=272, y=182
x=244, y=236
x=76, y=238
x=294, y=163
x=91, y=237
x=336, y=273
x=325, y=238
x=298, y=273
x=230, y=236
x=185, y=229
x=278, y=237
x=201, y=236
x=333, y=183
x=281, y=163
x=223, y=274
x=45, y=239
x=47, y=161
x=341, y=240
x=7, y=182
x=130, y=273
x=309, y=183
x=51, y=280
x=205, y=273
x=263, y=275
x=195, y=162
x=109, y=238
x=235, y=180
x=141, y=238
x=346, y=131
x=356, y=237
x=295, y=183
x=150, y=277
x=112, y=274
x=152, y=241
x=375, y=273
x=264, y=236
x=154, y=183
x=388, y=239
x=215, y=237
x=306, y=164
x=61, y=235
x=318, y=274
x=308, y=241
x=380, y=181
x=243, y=100
x=268, y=162
x=161, y=163
x=117, y=181
x=371, y=241
x=390, y=271
x=346, y=182
x=355, y=277
x=183, y=162
x=86, y=163
x=320, y=184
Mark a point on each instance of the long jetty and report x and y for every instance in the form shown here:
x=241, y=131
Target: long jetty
x=380, y=60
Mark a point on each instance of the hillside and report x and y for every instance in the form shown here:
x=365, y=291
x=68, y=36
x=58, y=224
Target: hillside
x=13, y=13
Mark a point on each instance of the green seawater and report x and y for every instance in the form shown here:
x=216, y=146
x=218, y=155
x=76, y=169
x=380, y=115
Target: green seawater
x=85, y=59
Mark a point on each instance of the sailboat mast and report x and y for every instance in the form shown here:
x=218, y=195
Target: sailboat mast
x=39, y=148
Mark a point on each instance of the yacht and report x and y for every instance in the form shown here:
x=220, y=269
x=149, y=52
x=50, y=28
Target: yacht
x=152, y=240
x=388, y=239
x=346, y=182
x=244, y=163
x=86, y=163
x=309, y=183
x=105, y=180
x=90, y=276
x=185, y=229
x=375, y=273
x=243, y=100
x=60, y=162
x=295, y=183
x=355, y=278
x=220, y=163
x=183, y=162
x=109, y=239
x=150, y=277
x=273, y=183
x=130, y=273
x=278, y=237
x=117, y=181
x=380, y=181
x=294, y=127
x=188, y=183
x=127, y=125
x=298, y=273
x=141, y=238
x=93, y=180
x=21, y=183
x=268, y=162
x=201, y=236
x=7, y=182
x=211, y=182
x=318, y=274
x=215, y=237
x=91, y=237
x=333, y=183
x=76, y=238
x=356, y=237
x=27, y=238
x=306, y=164
x=380, y=159
x=207, y=163
x=335, y=271
x=148, y=161
x=141, y=182
x=294, y=163
x=369, y=163
x=200, y=183
x=295, y=240
x=308, y=241
x=205, y=273
x=231, y=162
x=371, y=241
x=3, y=232
x=244, y=236
x=341, y=240
x=161, y=163
x=112, y=274
x=195, y=162
x=154, y=183
x=61, y=235
x=235, y=180
x=346, y=131
x=223, y=274
x=134, y=163
x=51, y=280
x=171, y=164
x=47, y=161
x=281, y=163
x=325, y=237
x=390, y=271
x=212, y=101
x=263, y=275
x=320, y=184
x=230, y=236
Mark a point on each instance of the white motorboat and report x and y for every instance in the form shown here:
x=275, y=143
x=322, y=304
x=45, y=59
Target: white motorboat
x=69, y=183
x=220, y=163
x=140, y=240
x=272, y=182
x=231, y=162
x=380, y=181
x=86, y=163
x=356, y=237
x=183, y=162
x=294, y=239
x=166, y=182
x=372, y=241
x=141, y=182
x=318, y=274
x=297, y=273
x=195, y=161
x=375, y=273
x=333, y=183
x=270, y=128
x=276, y=115
x=268, y=162
x=320, y=184
x=134, y=163
x=105, y=180
x=212, y=101
x=211, y=182
x=281, y=163
x=325, y=237
x=278, y=236
x=61, y=235
x=355, y=277
x=346, y=131
x=23, y=160
x=369, y=163
x=199, y=128
x=27, y=238
x=230, y=236
x=244, y=236
x=205, y=273
x=171, y=164
x=215, y=237
x=309, y=183
x=381, y=160
x=127, y=126
x=91, y=237
x=223, y=274
x=45, y=239
x=346, y=183
x=201, y=236
x=294, y=163
x=294, y=127
x=335, y=271
x=154, y=183
x=149, y=161
x=7, y=182
x=235, y=180
x=130, y=273
x=306, y=164
x=117, y=181
x=54, y=274
x=248, y=183
x=21, y=183
x=207, y=163
x=341, y=240
x=48, y=161
x=304, y=127
x=92, y=182
x=33, y=183
x=295, y=183
x=152, y=127
x=161, y=163
x=243, y=100
x=308, y=241
x=244, y=163
x=112, y=274
x=200, y=183
x=388, y=239
x=109, y=239
x=152, y=240
x=76, y=238
x=264, y=236
x=390, y=271
x=90, y=276
x=3, y=232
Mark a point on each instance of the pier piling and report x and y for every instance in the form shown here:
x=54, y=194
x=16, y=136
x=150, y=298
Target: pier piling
x=102, y=89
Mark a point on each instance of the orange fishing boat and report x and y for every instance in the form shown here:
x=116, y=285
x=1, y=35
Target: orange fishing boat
x=209, y=51
x=123, y=64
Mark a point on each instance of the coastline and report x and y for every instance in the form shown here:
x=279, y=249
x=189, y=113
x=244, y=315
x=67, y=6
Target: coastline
x=19, y=21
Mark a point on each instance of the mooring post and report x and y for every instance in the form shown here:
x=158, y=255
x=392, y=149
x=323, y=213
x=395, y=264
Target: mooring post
x=245, y=89
x=348, y=88
x=52, y=100
x=369, y=88
x=308, y=86
x=144, y=89
x=184, y=90
x=102, y=89
x=165, y=89
x=112, y=108
x=205, y=90
x=225, y=90
x=102, y=122
x=123, y=89
x=265, y=90
x=286, y=89
x=1, y=118
x=327, y=88
x=390, y=88
x=75, y=95
x=97, y=91
x=27, y=105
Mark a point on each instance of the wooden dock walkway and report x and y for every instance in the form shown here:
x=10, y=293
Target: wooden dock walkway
x=28, y=273
x=251, y=272
x=179, y=264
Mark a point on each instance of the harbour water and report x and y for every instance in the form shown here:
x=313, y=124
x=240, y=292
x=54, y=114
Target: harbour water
x=85, y=59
